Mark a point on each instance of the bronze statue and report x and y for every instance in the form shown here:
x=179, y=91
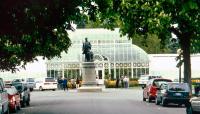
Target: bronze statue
x=87, y=51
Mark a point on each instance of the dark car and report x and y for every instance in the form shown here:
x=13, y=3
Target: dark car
x=14, y=98
x=150, y=90
x=24, y=93
x=173, y=92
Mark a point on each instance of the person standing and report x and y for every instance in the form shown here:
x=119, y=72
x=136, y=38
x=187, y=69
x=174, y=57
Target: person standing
x=117, y=82
x=126, y=82
x=77, y=83
x=60, y=81
x=65, y=84
x=122, y=81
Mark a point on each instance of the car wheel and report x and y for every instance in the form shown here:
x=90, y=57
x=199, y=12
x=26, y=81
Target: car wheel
x=53, y=89
x=23, y=102
x=189, y=110
x=19, y=106
x=28, y=101
x=2, y=110
x=164, y=103
x=8, y=111
x=40, y=88
x=144, y=99
x=149, y=99
x=15, y=108
x=156, y=101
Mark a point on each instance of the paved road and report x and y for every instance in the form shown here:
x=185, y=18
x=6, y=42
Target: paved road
x=111, y=101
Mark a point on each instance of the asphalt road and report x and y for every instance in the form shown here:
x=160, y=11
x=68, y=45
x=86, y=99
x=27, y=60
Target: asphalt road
x=110, y=101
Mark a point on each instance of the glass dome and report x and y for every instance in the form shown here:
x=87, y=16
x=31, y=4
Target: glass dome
x=104, y=42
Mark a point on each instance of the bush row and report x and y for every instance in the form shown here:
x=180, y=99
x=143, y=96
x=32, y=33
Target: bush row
x=112, y=83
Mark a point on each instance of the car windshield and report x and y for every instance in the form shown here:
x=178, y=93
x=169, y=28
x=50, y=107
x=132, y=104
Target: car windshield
x=178, y=87
x=144, y=78
x=30, y=80
x=160, y=81
x=10, y=91
x=18, y=86
x=151, y=77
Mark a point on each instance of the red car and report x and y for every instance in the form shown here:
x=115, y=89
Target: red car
x=150, y=90
x=14, y=98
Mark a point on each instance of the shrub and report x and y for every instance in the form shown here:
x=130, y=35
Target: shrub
x=112, y=83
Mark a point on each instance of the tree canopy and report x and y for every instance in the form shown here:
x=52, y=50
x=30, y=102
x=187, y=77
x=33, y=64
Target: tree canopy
x=159, y=17
x=30, y=28
x=38, y=27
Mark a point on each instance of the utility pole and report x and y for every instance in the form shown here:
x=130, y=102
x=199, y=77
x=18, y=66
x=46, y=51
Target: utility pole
x=179, y=59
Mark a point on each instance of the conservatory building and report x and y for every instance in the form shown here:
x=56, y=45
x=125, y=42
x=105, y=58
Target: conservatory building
x=114, y=56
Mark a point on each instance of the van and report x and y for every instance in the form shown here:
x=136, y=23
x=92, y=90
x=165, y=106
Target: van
x=4, y=102
x=45, y=84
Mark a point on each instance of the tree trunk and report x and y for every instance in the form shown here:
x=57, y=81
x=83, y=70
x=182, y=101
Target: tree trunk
x=185, y=45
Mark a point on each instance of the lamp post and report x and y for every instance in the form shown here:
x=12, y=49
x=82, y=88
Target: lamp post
x=180, y=61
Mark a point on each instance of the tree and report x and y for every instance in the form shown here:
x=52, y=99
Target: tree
x=146, y=42
x=30, y=28
x=160, y=17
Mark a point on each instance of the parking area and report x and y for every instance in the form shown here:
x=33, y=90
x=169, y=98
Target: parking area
x=110, y=101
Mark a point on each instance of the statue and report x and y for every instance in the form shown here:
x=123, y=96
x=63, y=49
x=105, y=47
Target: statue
x=87, y=51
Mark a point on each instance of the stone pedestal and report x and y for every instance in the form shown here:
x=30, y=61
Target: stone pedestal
x=89, y=78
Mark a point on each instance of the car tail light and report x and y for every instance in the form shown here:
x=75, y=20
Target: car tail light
x=12, y=99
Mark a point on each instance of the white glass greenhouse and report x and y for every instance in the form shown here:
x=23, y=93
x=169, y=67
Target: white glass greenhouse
x=114, y=56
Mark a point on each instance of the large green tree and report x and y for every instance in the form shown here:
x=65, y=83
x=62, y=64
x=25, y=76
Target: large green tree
x=151, y=44
x=30, y=28
x=159, y=17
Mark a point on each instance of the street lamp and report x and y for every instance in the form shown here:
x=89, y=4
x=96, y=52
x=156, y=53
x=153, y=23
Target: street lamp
x=180, y=62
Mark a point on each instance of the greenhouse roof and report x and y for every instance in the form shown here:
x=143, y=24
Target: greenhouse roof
x=120, y=50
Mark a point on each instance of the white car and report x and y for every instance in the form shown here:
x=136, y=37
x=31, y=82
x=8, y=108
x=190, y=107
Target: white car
x=145, y=78
x=194, y=107
x=45, y=84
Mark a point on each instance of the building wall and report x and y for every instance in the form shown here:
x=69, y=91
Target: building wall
x=165, y=65
x=160, y=64
x=37, y=69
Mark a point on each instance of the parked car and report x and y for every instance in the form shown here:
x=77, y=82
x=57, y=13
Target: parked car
x=30, y=83
x=149, y=92
x=4, y=102
x=24, y=93
x=145, y=78
x=14, y=98
x=194, y=106
x=173, y=92
x=46, y=84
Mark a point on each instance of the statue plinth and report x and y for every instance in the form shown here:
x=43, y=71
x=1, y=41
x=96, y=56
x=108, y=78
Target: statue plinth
x=89, y=78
